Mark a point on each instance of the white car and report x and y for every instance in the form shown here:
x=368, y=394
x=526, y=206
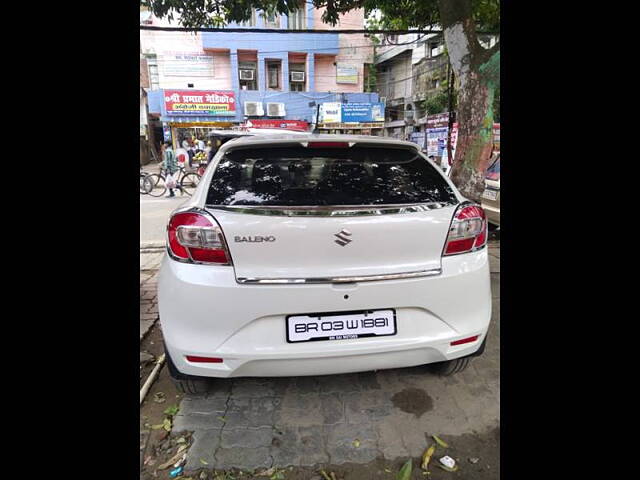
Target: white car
x=322, y=254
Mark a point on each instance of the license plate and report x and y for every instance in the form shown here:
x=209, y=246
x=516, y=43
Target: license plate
x=341, y=325
x=490, y=194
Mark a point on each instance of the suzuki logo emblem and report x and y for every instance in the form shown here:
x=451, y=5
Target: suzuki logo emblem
x=343, y=237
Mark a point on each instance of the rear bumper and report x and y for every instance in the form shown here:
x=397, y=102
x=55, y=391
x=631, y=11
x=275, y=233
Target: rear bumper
x=205, y=312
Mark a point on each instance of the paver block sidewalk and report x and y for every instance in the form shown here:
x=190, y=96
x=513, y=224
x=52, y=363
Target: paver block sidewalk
x=148, y=302
x=151, y=260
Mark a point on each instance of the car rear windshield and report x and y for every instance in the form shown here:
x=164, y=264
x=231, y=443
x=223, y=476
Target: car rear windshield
x=300, y=176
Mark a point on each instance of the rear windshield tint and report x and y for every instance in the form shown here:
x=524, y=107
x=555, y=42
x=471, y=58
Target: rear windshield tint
x=299, y=176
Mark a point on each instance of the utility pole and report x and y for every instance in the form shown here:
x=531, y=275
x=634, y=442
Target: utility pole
x=450, y=94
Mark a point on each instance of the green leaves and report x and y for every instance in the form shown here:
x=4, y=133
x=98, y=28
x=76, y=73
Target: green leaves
x=440, y=442
x=172, y=410
x=405, y=471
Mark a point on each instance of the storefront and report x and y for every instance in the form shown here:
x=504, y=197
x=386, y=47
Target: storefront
x=193, y=113
x=351, y=118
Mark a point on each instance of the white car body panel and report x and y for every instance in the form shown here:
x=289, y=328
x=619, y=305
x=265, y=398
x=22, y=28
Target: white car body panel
x=305, y=246
x=205, y=311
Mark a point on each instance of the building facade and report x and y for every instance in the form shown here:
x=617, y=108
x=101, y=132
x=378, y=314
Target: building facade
x=412, y=75
x=223, y=80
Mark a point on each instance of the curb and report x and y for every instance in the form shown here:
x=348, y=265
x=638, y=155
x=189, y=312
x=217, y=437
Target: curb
x=152, y=245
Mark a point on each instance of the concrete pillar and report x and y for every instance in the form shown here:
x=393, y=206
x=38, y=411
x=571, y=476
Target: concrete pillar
x=262, y=73
x=235, y=78
x=311, y=68
x=285, y=72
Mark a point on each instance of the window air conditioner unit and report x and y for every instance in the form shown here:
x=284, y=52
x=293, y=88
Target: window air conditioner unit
x=253, y=109
x=297, y=76
x=246, y=74
x=275, y=110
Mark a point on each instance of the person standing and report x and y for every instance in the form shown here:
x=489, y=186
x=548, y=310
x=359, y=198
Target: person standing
x=188, y=146
x=169, y=162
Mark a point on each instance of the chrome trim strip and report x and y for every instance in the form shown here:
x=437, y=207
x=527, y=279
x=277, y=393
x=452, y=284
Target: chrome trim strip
x=354, y=279
x=331, y=211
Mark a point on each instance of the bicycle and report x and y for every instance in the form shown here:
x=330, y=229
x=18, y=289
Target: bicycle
x=145, y=183
x=186, y=182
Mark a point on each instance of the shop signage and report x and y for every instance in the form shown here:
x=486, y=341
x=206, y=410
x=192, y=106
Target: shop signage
x=438, y=120
x=200, y=102
x=418, y=138
x=346, y=73
x=436, y=140
x=186, y=64
x=330, y=112
x=362, y=112
x=286, y=124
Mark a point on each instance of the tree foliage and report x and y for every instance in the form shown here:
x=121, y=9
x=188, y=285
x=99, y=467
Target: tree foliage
x=396, y=14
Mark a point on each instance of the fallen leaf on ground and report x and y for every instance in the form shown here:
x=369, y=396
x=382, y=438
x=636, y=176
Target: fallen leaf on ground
x=166, y=424
x=387, y=470
x=474, y=460
x=181, y=440
x=405, y=471
x=356, y=443
x=203, y=462
x=440, y=442
x=170, y=462
x=444, y=467
x=324, y=474
x=268, y=472
x=159, y=397
x=427, y=457
x=171, y=411
x=181, y=460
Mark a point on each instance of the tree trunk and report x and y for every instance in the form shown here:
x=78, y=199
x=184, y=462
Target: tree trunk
x=477, y=70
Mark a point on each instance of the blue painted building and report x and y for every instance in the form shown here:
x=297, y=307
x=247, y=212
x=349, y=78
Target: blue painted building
x=272, y=76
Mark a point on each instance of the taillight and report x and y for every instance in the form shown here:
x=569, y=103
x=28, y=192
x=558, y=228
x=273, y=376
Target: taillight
x=468, y=230
x=194, y=237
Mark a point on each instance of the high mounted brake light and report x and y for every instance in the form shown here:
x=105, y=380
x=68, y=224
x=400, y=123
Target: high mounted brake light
x=468, y=230
x=328, y=144
x=196, y=238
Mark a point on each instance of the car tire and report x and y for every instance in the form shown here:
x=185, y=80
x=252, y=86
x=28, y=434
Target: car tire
x=186, y=383
x=450, y=367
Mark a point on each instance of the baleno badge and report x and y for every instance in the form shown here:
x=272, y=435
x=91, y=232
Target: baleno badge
x=255, y=239
x=343, y=237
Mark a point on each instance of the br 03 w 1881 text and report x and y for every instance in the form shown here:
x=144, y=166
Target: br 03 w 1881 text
x=329, y=326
